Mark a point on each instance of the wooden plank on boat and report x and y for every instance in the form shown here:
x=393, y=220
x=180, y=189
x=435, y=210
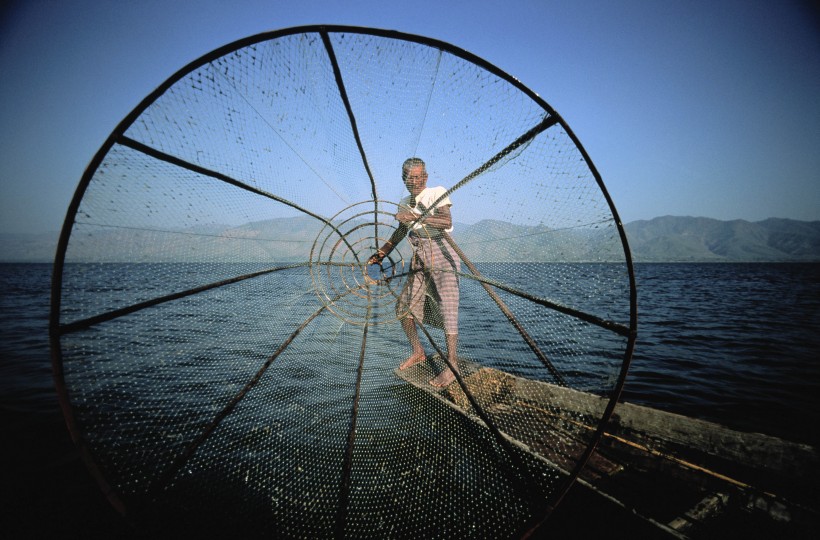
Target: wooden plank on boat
x=654, y=464
x=705, y=509
x=542, y=431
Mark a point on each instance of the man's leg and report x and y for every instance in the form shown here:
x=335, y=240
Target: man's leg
x=446, y=284
x=446, y=377
x=408, y=323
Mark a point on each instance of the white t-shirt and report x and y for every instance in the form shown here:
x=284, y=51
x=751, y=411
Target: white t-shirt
x=426, y=198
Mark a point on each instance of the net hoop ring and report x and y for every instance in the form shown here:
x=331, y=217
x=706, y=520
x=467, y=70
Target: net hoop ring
x=58, y=328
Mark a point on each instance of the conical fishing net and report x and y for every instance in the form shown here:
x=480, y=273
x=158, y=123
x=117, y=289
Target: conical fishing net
x=227, y=347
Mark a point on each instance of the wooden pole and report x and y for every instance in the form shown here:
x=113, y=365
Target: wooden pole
x=506, y=310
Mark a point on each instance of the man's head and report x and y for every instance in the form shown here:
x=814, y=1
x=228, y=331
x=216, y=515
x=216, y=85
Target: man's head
x=414, y=175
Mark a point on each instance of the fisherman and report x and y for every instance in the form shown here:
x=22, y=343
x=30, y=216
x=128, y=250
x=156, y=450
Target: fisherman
x=434, y=267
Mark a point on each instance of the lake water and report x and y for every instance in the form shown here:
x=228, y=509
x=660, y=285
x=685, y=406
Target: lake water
x=732, y=343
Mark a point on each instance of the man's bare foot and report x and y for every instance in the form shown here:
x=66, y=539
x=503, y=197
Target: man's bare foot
x=445, y=378
x=414, y=359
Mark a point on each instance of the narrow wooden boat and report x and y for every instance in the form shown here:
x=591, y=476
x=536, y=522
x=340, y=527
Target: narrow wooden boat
x=687, y=478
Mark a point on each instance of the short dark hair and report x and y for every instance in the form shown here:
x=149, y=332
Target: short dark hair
x=409, y=163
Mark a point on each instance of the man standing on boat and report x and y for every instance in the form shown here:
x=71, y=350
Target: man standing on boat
x=434, y=267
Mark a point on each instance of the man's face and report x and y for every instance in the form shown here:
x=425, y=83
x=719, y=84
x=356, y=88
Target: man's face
x=416, y=180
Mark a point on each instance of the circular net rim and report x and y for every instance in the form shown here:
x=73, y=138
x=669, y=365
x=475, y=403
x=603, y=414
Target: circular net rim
x=56, y=329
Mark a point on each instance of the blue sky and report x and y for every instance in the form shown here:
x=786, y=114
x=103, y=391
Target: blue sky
x=699, y=108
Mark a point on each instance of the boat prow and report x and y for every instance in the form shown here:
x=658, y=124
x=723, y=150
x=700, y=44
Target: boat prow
x=688, y=477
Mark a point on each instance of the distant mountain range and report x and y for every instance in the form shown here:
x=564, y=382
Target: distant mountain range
x=662, y=239
x=670, y=239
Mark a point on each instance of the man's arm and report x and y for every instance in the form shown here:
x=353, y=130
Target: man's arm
x=442, y=219
x=395, y=238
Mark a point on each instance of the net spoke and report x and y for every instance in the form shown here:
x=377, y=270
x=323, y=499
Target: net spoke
x=179, y=462
x=525, y=138
x=341, y=518
x=125, y=141
x=507, y=313
x=615, y=327
x=343, y=95
x=111, y=315
x=162, y=156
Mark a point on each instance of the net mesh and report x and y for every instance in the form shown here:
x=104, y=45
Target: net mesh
x=227, y=358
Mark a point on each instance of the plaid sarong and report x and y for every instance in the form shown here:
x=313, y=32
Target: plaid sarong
x=433, y=279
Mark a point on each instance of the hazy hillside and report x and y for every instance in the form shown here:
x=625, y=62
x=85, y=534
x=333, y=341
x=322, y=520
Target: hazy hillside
x=663, y=239
x=702, y=239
